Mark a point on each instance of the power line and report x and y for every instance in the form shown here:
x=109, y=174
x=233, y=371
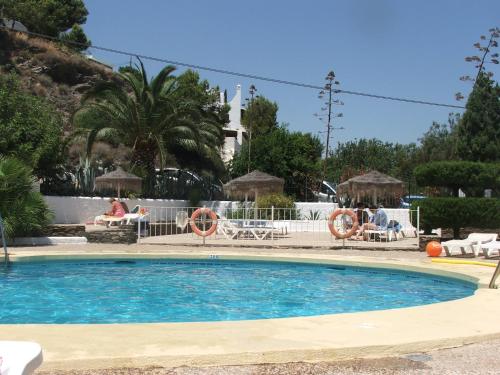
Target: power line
x=238, y=74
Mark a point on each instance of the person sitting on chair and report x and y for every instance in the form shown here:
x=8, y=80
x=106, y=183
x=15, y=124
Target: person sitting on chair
x=116, y=209
x=378, y=221
x=361, y=213
x=117, y=212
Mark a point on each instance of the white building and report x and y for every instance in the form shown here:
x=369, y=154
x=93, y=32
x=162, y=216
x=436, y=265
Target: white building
x=234, y=131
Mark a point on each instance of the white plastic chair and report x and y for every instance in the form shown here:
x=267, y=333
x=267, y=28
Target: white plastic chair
x=19, y=357
x=472, y=242
x=489, y=248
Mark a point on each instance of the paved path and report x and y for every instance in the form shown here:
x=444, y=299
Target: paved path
x=290, y=240
x=483, y=358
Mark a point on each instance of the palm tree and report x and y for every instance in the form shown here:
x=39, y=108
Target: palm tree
x=23, y=210
x=145, y=115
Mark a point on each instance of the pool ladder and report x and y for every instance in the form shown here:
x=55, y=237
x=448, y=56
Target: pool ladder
x=495, y=276
x=4, y=242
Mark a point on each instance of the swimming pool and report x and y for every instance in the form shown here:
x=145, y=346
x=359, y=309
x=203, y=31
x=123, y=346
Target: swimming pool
x=173, y=290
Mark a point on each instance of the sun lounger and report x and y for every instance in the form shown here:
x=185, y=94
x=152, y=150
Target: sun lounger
x=263, y=229
x=108, y=220
x=258, y=229
x=472, y=244
x=128, y=218
x=231, y=229
x=490, y=248
x=388, y=235
x=19, y=357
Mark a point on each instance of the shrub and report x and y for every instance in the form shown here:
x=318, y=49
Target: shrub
x=24, y=211
x=276, y=200
x=458, y=213
x=472, y=177
x=284, y=207
x=31, y=128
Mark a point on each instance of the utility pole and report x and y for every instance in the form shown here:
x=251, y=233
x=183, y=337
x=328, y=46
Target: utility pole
x=252, y=90
x=328, y=89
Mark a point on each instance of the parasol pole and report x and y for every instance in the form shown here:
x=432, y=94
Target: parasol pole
x=255, y=207
x=246, y=208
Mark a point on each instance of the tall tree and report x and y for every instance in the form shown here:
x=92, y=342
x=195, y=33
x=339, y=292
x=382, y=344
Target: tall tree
x=479, y=128
x=486, y=56
x=202, y=156
x=50, y=17
x=359, y=156
x=440, y=141
x=31, y=129
x=76, y=39
x=260, y=116
x=294, y=156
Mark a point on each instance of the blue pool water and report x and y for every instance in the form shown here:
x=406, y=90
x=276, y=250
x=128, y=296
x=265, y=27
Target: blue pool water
x=166, y=290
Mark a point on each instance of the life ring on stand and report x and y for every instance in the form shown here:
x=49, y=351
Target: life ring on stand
x=196, y=214
x=350, y=232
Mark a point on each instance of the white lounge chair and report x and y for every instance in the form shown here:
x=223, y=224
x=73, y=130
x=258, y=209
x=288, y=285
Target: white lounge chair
x=263, y=229
x=134, y=215
x=490, y=248
x=472, y=243
x=108, y=220
x=388, y=235
x=19, y=357
x=231, y=229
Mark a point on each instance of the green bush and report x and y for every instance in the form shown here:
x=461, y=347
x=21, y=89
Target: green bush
x=276, y=200
x=284, y=207
x=30, y=127
x=471, y=177
x=457, y=213
x=24, y=211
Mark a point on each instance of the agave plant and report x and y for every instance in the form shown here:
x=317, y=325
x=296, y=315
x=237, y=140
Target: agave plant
x=85, y=176
x=23, y=210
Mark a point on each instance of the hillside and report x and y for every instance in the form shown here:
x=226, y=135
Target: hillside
x=50, y=70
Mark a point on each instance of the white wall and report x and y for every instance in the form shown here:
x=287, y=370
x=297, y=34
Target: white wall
x=79, y=210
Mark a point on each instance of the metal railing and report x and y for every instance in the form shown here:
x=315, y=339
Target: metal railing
x=495, y=276
x=249, y=223
x=4, y=242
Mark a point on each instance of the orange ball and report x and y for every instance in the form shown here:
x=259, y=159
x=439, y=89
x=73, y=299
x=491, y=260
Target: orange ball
x=433, y=249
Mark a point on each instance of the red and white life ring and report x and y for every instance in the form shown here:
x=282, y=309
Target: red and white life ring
x=203, y=211
x=350, y=232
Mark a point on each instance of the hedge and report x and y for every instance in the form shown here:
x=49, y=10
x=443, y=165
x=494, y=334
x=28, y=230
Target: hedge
x=458, y=213
x=471, y=177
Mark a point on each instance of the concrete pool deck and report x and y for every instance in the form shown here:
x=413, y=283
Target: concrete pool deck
x=294, y=240
x=319, y=338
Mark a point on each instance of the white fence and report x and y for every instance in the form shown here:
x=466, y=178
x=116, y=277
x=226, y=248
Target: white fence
x=80, y=210
x=257, y=224
x=163, y=217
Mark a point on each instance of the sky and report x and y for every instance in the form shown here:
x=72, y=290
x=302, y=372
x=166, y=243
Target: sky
x=402, y=48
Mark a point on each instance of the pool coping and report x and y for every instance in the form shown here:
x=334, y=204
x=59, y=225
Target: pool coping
x=315, y=338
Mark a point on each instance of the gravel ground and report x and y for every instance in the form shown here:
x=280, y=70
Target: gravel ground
x=483, y=358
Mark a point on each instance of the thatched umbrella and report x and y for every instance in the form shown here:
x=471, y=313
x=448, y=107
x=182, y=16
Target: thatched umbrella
x=254, y=184
x=374, y=184
x=118, y=180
